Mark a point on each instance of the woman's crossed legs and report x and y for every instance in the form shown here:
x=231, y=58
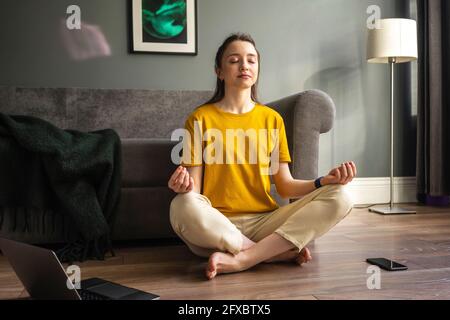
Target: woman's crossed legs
x=278, y=236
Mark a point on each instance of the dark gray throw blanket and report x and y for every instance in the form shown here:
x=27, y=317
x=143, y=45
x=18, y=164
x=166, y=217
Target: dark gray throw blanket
x=73, y=174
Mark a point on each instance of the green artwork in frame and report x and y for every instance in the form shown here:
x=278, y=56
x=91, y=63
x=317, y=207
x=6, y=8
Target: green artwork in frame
x=164, y=26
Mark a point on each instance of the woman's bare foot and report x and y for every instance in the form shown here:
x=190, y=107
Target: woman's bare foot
x=293, y=256
x=220, y=262
x=304, y=256
x=246, y=243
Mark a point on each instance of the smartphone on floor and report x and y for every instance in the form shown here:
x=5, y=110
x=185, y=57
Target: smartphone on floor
x=387, y=264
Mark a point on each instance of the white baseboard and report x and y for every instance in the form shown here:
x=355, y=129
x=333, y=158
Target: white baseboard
x=377, y=190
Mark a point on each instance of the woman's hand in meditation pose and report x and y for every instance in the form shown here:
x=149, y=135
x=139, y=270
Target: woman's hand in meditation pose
x=181, y=181
x=340, y=175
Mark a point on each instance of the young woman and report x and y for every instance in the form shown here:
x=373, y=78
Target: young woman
x=224, y=209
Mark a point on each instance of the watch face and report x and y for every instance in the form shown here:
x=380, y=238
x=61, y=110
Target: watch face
x=317, y=182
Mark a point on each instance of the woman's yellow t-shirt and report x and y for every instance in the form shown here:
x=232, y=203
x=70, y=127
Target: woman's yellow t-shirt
x=238, y=152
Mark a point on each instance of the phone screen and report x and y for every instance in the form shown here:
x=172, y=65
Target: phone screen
x=387, y=264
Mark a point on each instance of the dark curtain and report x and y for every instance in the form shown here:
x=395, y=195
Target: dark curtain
x=433, y=117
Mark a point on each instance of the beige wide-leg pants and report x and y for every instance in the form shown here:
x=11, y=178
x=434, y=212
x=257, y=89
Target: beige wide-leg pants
x=205, y=229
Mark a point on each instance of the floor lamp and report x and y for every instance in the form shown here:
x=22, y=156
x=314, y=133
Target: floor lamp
x=394, y=41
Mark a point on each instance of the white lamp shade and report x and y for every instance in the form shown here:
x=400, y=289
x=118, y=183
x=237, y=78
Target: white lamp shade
x=396, y=38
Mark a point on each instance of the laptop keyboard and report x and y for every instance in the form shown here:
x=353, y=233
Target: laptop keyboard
x=87, y=295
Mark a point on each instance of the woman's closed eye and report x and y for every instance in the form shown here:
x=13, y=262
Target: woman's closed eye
x=250, y=61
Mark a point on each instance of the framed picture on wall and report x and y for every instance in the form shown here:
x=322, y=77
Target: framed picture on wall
x=164, y=26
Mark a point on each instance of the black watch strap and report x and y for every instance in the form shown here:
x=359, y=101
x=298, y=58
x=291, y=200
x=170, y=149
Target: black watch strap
x=317, y=182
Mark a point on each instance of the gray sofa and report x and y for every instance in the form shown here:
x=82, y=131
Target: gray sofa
x=145, y=119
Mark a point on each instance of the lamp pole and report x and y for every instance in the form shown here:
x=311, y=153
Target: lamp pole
x=392, y=61
x=391, y=209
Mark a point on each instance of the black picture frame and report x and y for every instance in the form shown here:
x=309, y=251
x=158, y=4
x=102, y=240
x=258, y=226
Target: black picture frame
x=152, y=32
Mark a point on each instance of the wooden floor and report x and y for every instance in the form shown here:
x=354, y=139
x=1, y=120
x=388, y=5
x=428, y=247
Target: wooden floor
x=338, y=269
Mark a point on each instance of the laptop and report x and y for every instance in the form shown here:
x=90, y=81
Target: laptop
x=44, y=277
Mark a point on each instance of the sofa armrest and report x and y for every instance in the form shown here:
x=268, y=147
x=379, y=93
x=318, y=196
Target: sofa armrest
x=306, y=115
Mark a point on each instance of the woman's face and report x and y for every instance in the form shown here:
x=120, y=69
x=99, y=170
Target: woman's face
x=239, y=65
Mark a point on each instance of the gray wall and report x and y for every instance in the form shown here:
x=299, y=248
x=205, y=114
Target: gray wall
x=304, y=44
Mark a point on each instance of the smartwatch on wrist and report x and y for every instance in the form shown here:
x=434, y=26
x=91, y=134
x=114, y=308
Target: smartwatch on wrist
x=317, y=182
